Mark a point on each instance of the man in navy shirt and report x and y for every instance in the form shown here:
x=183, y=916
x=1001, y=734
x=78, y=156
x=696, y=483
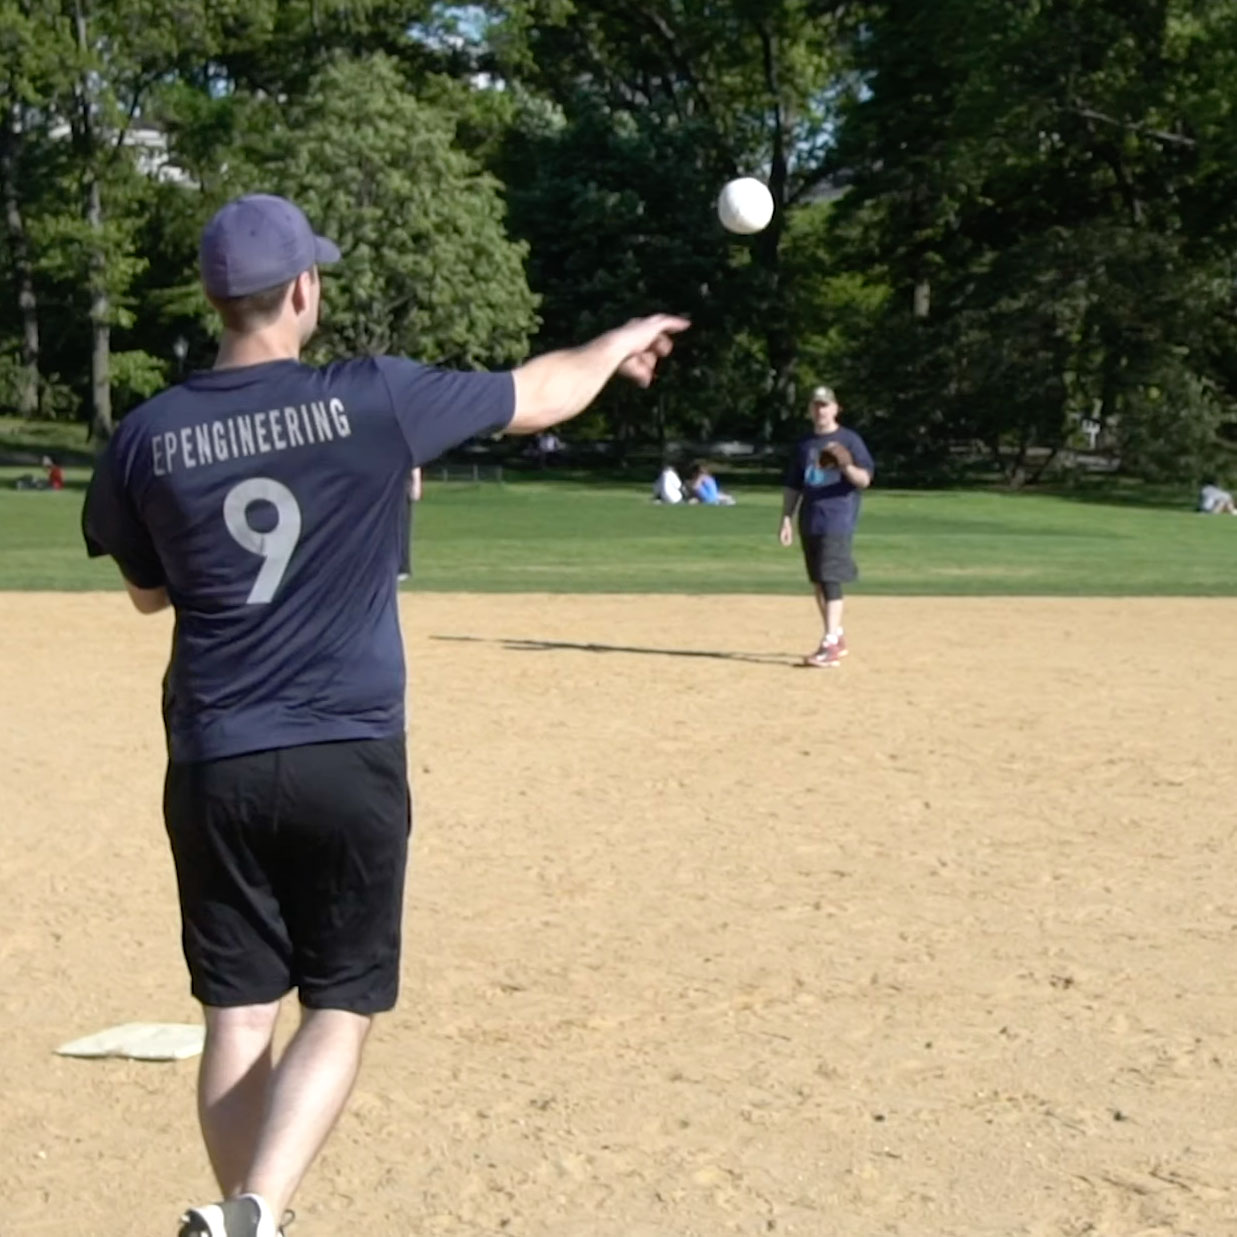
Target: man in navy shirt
x=262, y=500
x=824, y=479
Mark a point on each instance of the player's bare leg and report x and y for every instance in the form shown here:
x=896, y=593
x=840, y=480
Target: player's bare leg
x=830, y=615
x=833, y=619
x=307, y=1093
x=233, y=1087
x=832, y=647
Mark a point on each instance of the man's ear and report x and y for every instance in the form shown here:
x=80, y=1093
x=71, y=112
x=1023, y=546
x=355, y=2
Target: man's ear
x=300, y=289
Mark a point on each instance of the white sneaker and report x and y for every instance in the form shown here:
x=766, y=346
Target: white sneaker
x=244, y=1216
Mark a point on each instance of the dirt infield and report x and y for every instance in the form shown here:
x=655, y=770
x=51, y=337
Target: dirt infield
x=939, y=944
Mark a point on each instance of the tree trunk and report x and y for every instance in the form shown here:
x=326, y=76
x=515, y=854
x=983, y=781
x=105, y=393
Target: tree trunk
x=23, y=272
x=101, y=331
x=100, y=352
x=780, y=343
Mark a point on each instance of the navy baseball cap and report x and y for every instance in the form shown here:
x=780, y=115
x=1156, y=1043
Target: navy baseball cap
x=258, y=242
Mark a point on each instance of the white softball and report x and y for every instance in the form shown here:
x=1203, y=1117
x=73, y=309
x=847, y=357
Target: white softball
x=745, y=206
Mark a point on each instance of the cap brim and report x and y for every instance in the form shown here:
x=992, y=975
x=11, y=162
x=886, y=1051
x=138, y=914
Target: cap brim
x=325, y=252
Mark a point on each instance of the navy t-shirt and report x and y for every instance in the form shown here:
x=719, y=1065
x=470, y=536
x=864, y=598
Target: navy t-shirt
x=830, y=504
x=268, y=500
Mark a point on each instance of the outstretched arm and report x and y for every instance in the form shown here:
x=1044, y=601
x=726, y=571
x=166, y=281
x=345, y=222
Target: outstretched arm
x=559, y=385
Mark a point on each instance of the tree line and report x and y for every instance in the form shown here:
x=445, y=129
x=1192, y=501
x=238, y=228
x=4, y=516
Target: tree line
x=1002, y=225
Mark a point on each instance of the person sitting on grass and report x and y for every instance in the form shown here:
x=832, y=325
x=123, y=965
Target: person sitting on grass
x=54, y=477
x=1213, y=500
x=704, y=488
x=668, y=488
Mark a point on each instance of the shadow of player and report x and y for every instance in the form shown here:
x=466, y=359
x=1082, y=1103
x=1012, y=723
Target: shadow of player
x=553, y=646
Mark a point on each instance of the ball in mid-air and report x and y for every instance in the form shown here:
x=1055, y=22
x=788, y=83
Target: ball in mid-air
x=745, y=206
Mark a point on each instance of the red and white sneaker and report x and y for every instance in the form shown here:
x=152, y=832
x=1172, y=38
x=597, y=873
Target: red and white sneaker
x=841, y=646
x=824, y=657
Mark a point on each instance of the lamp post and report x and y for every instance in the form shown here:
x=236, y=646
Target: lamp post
x=180, y=347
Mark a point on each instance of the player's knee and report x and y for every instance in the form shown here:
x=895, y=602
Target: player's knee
x=241, y=1019
x=342, y=1021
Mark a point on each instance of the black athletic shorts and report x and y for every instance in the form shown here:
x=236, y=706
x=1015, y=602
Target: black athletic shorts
x=829, y=558
x=290, y=868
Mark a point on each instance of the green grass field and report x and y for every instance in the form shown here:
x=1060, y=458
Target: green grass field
x=569, y=536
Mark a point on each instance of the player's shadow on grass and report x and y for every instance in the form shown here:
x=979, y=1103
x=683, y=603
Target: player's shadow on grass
x=558, y=646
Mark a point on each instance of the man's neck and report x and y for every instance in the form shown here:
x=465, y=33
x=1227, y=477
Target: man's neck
x=255, y=348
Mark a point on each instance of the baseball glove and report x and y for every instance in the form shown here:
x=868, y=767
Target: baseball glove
x=835, y=455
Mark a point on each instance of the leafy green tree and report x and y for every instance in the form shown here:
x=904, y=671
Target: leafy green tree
x=111, y=57
x=652, y=107
x=225, y=116
x=27, y=59
x=428, y=269
x=1032, y=181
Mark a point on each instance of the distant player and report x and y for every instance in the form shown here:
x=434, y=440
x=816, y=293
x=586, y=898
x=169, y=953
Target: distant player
x=824, y=480
x=263, y=501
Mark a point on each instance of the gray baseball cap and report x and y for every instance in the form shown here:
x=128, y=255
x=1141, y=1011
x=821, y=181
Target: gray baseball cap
x=257, y=242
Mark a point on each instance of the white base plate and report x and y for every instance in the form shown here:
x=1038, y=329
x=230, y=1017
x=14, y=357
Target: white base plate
x=140, y=1041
